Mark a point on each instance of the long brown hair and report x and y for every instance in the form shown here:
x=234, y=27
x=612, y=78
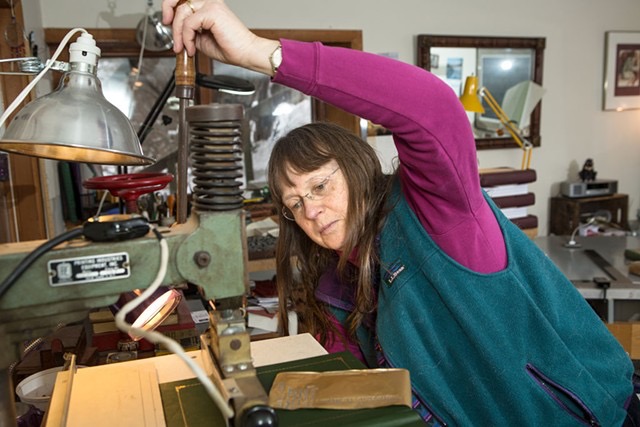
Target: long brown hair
x=304, y=150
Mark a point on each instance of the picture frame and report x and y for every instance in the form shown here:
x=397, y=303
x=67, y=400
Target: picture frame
x=467, y=47
x=622, y=71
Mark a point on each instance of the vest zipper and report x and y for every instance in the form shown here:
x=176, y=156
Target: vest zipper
x=566, y=399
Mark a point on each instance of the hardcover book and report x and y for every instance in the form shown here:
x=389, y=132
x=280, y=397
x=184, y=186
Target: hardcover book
x=514, y=213
x=186, y=403
x=507, y=190
x=515, y=201
x=504, y=175
x=529, y=221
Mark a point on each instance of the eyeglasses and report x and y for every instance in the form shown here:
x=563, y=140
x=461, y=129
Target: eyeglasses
x=319, y=190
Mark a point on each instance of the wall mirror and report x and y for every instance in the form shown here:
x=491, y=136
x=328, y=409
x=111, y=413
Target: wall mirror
x=453, y=58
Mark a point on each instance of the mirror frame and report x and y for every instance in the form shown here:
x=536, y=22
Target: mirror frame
x=428, y=41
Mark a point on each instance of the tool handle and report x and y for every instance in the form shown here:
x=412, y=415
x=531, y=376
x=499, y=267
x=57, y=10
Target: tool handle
x=185, y=70
x=185, y=65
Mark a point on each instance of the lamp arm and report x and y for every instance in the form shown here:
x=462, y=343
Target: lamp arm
x=502, y=116
x=572, y=243
x=506, y=122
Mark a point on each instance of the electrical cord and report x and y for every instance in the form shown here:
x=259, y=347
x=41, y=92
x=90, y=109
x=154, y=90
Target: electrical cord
x=121, y=323
x=34, y=255
x=604, y=284
x=102, y=199
x=134, y=85
x=23, y=94
x=158, y=338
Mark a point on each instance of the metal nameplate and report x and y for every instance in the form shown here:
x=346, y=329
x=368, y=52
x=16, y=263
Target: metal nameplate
x=87, y=269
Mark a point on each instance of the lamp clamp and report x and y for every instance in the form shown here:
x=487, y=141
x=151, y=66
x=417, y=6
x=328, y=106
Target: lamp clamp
x=82, y=51
x=31, y=65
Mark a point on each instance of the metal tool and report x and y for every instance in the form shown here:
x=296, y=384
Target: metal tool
x=209, y=251
x=65, y=278
x=185, y=91
x=606, y=266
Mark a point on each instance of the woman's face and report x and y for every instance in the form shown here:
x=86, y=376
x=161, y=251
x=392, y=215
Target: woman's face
x=317, y=201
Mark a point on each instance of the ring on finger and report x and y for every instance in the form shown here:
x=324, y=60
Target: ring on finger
x=193, y=9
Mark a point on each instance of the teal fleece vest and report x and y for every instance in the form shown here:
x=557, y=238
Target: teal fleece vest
x=520, y=347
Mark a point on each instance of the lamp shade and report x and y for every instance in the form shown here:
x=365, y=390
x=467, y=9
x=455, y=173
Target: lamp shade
x=76, y=122
x=153, y=35
x=469, y=98
x=151, y=312
x=520, y=100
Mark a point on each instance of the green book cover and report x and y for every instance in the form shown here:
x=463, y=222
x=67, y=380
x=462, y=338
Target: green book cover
x=186, y=404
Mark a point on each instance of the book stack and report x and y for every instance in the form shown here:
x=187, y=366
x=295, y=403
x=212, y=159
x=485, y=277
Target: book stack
x=509, y=190
x=179, y=325
x=185, y=402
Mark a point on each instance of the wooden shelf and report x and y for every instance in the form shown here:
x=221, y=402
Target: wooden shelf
x=567, y=213
x=263, y=264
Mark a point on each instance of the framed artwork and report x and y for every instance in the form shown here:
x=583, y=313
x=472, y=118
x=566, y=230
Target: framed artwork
x=622, y=71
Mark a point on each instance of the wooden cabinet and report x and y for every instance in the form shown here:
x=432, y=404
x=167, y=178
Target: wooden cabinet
x=567, y=213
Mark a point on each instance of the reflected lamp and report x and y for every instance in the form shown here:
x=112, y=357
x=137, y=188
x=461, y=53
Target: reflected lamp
x=75, y=122
x=473, y=95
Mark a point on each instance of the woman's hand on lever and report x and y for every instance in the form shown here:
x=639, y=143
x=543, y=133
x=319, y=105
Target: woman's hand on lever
x=212, y=28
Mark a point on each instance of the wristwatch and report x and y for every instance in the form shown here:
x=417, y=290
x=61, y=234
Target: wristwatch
x=276, y=59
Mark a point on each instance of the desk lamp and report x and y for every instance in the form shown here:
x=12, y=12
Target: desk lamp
x=603, y=217
x=75, y=122
x=471, y=99
x=58, y=282
x=572, y=243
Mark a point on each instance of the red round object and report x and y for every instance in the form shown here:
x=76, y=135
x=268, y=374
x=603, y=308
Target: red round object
x=129, y=186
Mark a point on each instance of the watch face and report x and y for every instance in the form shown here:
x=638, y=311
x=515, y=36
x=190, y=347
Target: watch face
x=276, y=58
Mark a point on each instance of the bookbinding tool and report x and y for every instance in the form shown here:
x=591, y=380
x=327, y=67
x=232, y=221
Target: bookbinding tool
x=42, y=289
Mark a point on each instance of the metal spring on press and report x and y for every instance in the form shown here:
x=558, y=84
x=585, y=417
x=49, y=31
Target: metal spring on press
x=216, y=156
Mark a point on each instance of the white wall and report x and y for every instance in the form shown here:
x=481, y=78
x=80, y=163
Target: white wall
x=574, y=127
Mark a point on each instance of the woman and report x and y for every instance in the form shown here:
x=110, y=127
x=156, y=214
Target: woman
x=421, y=270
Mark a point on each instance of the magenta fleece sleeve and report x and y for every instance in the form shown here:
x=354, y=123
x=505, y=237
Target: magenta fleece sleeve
x=435, y=142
